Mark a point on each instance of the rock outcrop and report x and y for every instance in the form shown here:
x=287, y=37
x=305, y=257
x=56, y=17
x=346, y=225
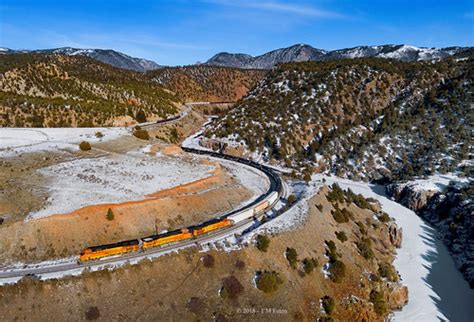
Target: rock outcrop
x=450, y=212
x=395, y=235
x=398, y=297
x=409, y=195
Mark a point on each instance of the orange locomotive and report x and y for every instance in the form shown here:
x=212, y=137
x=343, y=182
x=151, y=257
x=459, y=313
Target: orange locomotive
x=135, y=245
x=96, y=252
x=210, y=226
x=166, y=238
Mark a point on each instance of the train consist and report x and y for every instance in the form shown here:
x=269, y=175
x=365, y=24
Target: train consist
x=135, y=245
x=262, y=204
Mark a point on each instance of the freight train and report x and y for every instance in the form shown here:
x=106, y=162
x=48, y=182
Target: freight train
x=135, y=245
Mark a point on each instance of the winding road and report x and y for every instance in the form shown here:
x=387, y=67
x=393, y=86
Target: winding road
x=71, y=266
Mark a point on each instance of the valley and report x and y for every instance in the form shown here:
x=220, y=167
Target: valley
x=268, y=175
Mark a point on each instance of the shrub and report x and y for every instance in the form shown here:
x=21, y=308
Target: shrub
x=268, y=282
x=337, y=271
x=384, y=217
x=99, y=135
x=141, y=116
x=377, y=298
x=365, y=248
x=110, y=214
x=359, y=200
x=341, y=236
x=208, y=261
x=291, y=199
x=326, y=319
x=263, y=242
x=387, y=271
x=231, y=288
x=292, y=256
x=92, y=313
x=174, y=135
x=309, y=264
x=336, y=194
x=194, y=305
x=240, y=264
x=328, y=304
x=141, y=134
x=341, y=216
x=362, y=227
x=85, y=146
x=320, y=207
x=332, y=250
x=307, y=177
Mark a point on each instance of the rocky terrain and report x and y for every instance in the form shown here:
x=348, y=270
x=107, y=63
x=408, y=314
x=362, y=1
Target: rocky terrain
x=303, y=52
x=450, y=210
x=328, y=269
x=366, y=119
x=207, y=83
x=39, y=90
x=107, y=56
x=371, y=120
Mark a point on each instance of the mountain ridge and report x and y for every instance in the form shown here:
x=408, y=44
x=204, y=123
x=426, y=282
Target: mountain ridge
x=107, y=56
x=304, y=52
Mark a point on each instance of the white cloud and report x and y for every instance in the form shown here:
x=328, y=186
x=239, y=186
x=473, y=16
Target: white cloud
x=297, y=9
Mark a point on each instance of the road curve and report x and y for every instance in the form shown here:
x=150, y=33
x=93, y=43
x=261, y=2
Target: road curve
x=38, y=269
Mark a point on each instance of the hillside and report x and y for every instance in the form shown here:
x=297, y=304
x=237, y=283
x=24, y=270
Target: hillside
x=324, y=269
x=360, y=118
x=107, y=56
x=303, y=52
x=39, y=90
x=207, y=83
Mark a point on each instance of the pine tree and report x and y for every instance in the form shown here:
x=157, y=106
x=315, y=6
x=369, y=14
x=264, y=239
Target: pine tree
x=110, y=215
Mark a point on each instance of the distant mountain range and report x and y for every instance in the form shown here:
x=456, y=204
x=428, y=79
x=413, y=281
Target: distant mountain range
x=303, y=52
x=295, y=53
x=106, y=56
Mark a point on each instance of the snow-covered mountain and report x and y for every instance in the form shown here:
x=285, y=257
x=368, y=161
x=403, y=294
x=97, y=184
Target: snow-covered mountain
x=107, y=56
x=302, y=52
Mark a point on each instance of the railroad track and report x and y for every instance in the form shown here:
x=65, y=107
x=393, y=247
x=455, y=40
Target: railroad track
x=38, y=269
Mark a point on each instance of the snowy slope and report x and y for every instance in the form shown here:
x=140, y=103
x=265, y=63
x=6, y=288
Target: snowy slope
x=14, y=141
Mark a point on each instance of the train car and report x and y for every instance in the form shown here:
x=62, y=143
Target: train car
x=96, y=252
x=261, y=207
x=273, y=197
x=166, y=238
x=210, y=226
x=241, y=215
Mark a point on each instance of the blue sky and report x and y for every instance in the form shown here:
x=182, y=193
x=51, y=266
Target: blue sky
x=183, y=32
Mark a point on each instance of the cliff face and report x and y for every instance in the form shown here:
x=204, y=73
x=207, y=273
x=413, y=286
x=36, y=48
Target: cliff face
x=409, y=195
x=450, y=212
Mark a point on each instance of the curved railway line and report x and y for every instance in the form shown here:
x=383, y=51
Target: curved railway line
x=242, y=220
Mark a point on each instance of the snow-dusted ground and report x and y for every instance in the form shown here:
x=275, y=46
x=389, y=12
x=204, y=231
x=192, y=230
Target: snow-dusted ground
x=193, y=142
x=437, y=290
x=438, y=182
x=114, y=178
x=14, y=141
x=293, y=217
x=252, y=179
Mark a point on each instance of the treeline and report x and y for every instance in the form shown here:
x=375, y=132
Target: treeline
x=354, y=110
x=47, y=90
x=207, y=83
